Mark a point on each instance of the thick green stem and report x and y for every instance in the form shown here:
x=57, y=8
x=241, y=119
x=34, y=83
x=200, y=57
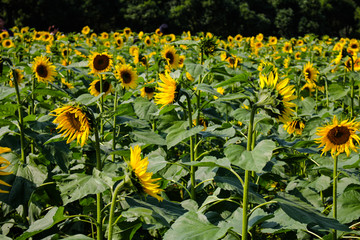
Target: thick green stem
x=352, y=89
x=114, y=126
x=21, y=121
x=326, y=92
x=33, y=96
x=98, y=195
x=101, y=107
x=112, y=209
x=335, y=194
x=192, y=155
x=247, y=178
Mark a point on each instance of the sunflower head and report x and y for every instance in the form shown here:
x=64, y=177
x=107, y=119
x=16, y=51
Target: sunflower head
x=44, y=70
x=167, y=91
x=310, y=73
x=100, y=62
x=3, y=165
x=338, y=137
x=294, y=126
x=126, y=75
x=208, y=45
x=95, y=90
x=140, y=178
x=74, y=121
x=148, y=90
x=16, y=76
x=85, y=30
x=172, y=58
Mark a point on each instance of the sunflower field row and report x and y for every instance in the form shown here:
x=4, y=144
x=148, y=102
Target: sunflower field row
x=127, y=135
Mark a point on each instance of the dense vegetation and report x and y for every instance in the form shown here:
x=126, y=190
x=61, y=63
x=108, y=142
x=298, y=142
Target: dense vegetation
x=222, y=17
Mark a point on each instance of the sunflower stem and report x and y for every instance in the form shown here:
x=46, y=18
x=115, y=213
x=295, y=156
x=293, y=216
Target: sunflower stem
x=98, y=195
x=192, y=156
x=114, y=125
x=101, y=107
x=112, y=209
x=326, y=92
x=352, y=89
x=249, y=147
x=21, y=121
x=335, y=194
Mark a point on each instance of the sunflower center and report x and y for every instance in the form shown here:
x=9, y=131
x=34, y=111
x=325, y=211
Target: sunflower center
x=126, y=76
x=101, y=62
x=42, y=71
x=170, y=56
x=339, y=135
x=105, y=87
x=308, y=73
x=73, y=121
x=297, y=125
x=149, y=89
x=354, y=46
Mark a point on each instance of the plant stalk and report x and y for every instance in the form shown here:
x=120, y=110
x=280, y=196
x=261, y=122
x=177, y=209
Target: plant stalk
x=112, y=209
x=335, y=194
x=98, y=195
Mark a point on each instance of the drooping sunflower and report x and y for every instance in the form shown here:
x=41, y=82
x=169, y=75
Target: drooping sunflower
x=94, y=88
x=126, y=75
x=143, y=180
x=3, y=165
x=338, y=137
x=310, y=73
x=100, y=62
x=44, y=70
x=283, y=93
x=167, y=90
x=294, y=126
x=172, y=58
x=17, y=76
x=74, y=123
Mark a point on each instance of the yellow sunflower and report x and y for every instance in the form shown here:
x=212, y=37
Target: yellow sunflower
x=44, y=70
x=67, y=84
x=283, y=93
x=338, y=137
x=127, y=31
x=148, y=90
x=287, y=47
x=94, y=88
x=3, y=165
x=172, y=58
x=119, y=42
x=100, y=62
x=310, y=73
x=17, y=77
x=294, y=126
x=147, y=41
x=167, y=90
x=8, y=43
x=143, y=179
x=85, y=30
x=126, y=75
x=74, y=122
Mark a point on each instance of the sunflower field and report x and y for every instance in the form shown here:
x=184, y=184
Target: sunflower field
x=133, y=135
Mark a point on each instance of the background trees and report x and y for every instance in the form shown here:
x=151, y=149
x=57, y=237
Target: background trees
x=221, y=17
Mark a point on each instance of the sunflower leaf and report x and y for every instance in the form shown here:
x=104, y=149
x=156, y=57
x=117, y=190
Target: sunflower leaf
x=178, y=132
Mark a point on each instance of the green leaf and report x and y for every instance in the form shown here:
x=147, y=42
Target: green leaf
x=194, y=225
x=321, y=183
x=349, y=206
x=194, y=69
x=178, y=132
x=145, y=109
x=207, y=88
x=230, y=97
x=211, y=162
x=148, y=137
x=238, y=78
x=77, y=237
x=337, y=91
x=8, y=109
x=78, y=185
x=305, y=213
x=54, y=216
x=88, y=99
x=50, y=92
x=254, y=160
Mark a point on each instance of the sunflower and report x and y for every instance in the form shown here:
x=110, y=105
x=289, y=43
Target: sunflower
x=4, y=164
x=310, y=73
x=44, y=70
x=354, y=45
x=143, y=179
x=337, y=137
x=126, y=75
x=94, y=88
x=17, y=76
x=167, y=90
x=67, y=84
x=127, y=31
x=85, y=30
x=189, y=77
x=169, y=53
x=100, y=62
x=119, y=42
x=8, y=43
x=287, y=47
x=73, y=122
x=148, y=90
x=147, y=41
x=296, y=126
x=158, y=32
x=238, y=37
x=283, y=93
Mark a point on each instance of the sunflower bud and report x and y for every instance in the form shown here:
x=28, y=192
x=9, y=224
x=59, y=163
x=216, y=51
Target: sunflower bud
x=208, y=46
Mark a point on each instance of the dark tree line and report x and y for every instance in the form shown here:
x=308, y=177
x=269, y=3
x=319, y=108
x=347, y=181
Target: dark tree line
x=222, y=17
